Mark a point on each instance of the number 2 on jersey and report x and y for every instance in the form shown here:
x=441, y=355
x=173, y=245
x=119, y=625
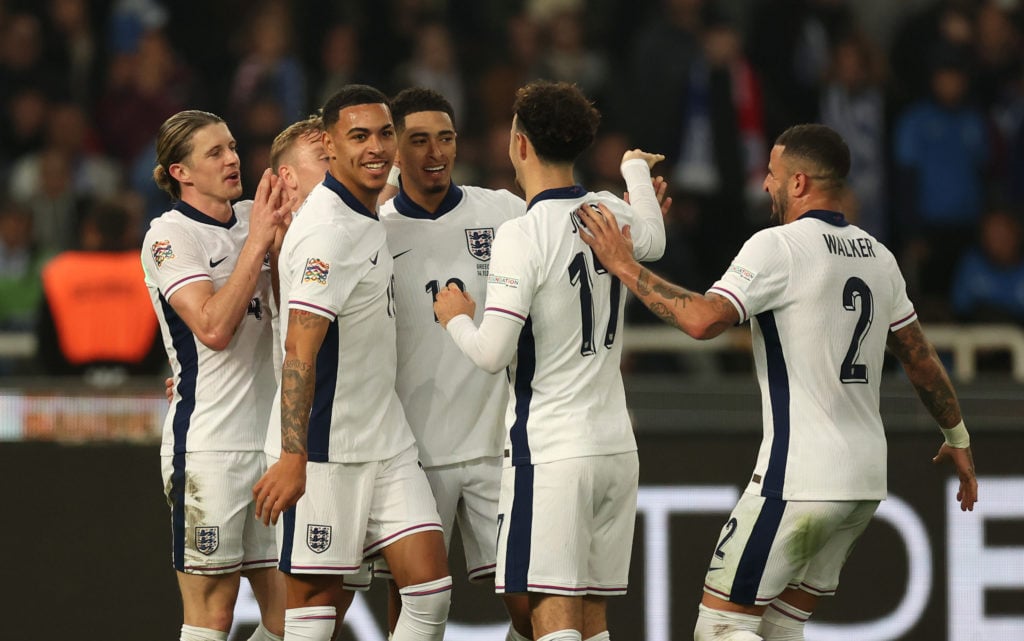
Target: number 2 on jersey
x=580, y=275
x=856, y=290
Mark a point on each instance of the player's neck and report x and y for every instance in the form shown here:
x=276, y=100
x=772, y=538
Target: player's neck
x=429, y=201
x=367, y=197
x=544, y=176
x=216, y=208
x=796, y=210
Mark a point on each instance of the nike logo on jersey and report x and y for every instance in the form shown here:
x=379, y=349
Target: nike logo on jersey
x=400, y=254
x=373, y=261
x=214, y=263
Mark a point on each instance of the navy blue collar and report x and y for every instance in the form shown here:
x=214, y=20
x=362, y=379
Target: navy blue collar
x=576, y=191
x=346, y=196
x=191, y=212
x=410, y=209
x=830, y=217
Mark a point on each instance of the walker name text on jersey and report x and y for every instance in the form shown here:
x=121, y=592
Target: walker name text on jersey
x=849, y=247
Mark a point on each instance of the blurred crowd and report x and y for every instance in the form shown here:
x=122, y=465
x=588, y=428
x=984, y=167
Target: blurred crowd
x=929, y=96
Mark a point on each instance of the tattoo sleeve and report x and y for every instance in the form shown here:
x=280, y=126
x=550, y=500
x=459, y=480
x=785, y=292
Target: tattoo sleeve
x=298, y=380
x=926, y=373
x=661, y=297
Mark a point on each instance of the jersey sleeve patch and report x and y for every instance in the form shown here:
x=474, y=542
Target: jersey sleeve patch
x=162, y=252
x=316, y=271
x=742, y=272
x=508, y=281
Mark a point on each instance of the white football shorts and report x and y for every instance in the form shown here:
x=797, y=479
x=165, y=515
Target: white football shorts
x=768, y=545
x=566, y=527
x=352, y=511
x=213, y=523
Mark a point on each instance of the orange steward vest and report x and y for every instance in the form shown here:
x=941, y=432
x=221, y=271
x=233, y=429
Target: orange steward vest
x=100, y=306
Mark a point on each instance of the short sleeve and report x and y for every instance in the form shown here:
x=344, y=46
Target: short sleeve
x=513, y=274
x=172, y=258
x=758, y=276
x=323, y=276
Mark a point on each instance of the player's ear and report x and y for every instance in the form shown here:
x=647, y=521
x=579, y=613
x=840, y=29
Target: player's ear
x=521, y=144
x=328, y=145
x=179, y=171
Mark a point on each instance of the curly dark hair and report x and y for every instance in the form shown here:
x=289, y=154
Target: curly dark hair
x=416, y=99
x=350, y=96
x=557, y=118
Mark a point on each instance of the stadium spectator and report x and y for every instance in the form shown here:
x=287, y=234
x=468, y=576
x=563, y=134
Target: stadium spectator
x=854, y=103
x=21, y=263
x=95, y=320
x=942, y=153
x=988, y=285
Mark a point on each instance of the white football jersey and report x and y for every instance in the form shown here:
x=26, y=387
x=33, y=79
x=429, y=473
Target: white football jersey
x=457, y=411
x=221, y=398
x=335, y=263
x=822, y=296
x=567, y=398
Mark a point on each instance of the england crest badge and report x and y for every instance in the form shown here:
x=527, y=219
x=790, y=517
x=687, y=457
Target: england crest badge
x=318, y=537
x=478, y=241
x=207, y=539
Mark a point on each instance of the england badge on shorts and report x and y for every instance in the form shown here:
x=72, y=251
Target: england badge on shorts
x=318, y=537
x=208, y=539
x=478, y=241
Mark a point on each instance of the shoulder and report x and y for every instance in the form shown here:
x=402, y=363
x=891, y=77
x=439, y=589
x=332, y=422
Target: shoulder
x=242, y=209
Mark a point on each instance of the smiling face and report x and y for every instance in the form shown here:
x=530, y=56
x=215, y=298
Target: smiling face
x=212, y=170
x=361, y=146
x=426, y=148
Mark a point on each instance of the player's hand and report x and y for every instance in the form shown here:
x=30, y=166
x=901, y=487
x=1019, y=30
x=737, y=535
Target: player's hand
x=169, y=389
x=280, y=488
x=613, y=248
x=269, y=208
x=649, y=158
x=963, y=461
x=660, y=189
x=452, y=301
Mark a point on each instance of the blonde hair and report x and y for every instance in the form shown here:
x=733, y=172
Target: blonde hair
x=308, y=128
x=174, y=145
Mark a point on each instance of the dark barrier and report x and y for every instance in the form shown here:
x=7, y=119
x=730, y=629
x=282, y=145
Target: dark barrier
x=86, y=544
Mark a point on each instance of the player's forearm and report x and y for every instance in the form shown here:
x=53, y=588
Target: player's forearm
x=926, y=374
x=298, y=380
x=699, y=316
x=644, y=201
x=933, y=387
x=224, y=310
x=490, y=346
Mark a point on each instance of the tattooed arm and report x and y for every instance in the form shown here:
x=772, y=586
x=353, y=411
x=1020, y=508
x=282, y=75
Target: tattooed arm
x=926, y=373
x=285, y=482
x=699, y=315
x=935, y=390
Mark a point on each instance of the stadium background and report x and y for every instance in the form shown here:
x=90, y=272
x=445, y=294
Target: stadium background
x=85, y=527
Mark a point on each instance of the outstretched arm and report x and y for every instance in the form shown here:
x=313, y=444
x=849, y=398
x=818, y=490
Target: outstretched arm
x=929, y=378
x=285, y=482
x=701, y=316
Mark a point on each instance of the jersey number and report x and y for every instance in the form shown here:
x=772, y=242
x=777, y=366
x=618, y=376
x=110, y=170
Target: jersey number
x=851, y=371
x=580, y=275
x=433, y=287
x=730, y=529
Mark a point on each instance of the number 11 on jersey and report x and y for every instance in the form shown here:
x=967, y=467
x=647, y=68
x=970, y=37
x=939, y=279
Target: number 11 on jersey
x=580, y=275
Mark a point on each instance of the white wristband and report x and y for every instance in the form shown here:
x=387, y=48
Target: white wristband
x=957, y=436
x=393, y=176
